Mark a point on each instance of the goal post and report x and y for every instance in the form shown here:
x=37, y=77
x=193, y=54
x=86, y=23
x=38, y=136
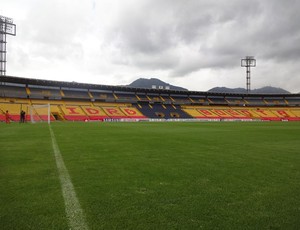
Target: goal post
x=40, y=113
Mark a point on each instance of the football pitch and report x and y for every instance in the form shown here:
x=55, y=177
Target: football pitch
x=219, y=175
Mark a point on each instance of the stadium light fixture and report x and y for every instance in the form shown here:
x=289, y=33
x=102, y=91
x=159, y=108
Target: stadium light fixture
x=7, y=27
x=248, y=62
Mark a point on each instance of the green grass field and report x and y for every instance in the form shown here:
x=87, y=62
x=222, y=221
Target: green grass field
x=153, y=175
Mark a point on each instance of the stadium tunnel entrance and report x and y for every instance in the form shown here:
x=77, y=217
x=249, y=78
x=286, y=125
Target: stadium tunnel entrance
x=57, y=116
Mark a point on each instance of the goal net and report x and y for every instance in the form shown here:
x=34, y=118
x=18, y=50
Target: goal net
x=40, y=113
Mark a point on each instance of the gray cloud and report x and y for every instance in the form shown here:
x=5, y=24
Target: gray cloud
x=175, y=38
x=222, y=31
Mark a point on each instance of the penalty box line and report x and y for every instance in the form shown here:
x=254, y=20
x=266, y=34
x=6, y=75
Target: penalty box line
x=73, y=209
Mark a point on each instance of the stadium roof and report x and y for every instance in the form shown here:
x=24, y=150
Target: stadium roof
x=32, y=81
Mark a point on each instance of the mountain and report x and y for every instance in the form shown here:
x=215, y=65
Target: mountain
x=270, y=89
x=149, y=83
x=227, y=90
x=263, y=90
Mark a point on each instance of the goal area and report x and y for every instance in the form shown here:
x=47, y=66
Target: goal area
x=40, y=113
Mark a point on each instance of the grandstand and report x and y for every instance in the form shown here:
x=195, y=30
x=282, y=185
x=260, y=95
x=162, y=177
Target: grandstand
x=71, y=101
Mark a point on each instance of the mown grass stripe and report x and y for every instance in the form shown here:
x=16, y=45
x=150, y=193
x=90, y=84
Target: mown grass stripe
x=74, y=212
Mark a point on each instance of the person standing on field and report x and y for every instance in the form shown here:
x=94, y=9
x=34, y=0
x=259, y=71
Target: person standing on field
x=24, y=116
x=21, y=114
x=7, y=121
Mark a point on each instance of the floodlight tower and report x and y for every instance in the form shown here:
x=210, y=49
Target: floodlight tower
x=7, y=27
x=248, y=62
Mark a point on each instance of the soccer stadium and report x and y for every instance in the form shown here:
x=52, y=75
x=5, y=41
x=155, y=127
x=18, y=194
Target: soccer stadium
x=102, y=156
x=224, y=161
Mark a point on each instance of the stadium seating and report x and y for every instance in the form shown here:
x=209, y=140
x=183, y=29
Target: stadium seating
x=217, y=100
x=293, y=101
x=254, y=101
x=38, y=92
x=207, y=113
x=275, y=101
x=80, y=102
x=14, y=110
x=73, y=113
x=94, y=113
x=75, y=93
x=295, y=112
x=79, y=111
x=154, y=97
x=125, y=97
x=13, y=91
x=199, y=99
x=262, y=113
x=132, y=112
x=180, y=99
x=142, y=97
x=285, y=114
x=104, y=96
x=41, y=114
x=148, y=111
x=163, y=111
x=165, y=98
x=235, y=101
x=114, y=112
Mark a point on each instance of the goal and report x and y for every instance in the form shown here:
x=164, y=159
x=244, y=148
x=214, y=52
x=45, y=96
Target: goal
x=40, y=113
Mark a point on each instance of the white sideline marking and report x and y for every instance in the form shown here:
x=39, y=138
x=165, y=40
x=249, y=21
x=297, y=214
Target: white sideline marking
x=73, y=210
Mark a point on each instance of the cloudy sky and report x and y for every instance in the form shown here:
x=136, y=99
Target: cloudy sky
x=196, y=44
